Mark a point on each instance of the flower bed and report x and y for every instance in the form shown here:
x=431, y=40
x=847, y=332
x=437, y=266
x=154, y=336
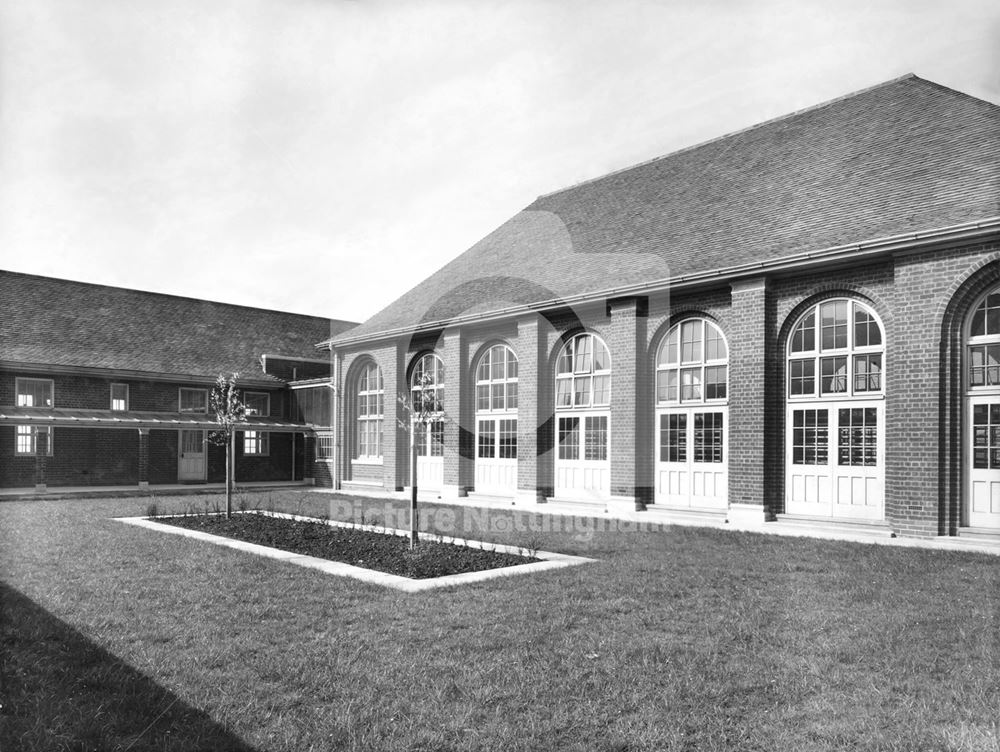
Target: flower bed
x=381, y=551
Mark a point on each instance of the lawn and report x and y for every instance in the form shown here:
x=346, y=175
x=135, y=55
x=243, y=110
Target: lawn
x=116, y=637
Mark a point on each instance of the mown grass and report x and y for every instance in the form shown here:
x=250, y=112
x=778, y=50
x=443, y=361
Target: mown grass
x=676, y=639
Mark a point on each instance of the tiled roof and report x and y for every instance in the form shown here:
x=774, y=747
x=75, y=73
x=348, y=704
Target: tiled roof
x=65, y=323
x=905, y=156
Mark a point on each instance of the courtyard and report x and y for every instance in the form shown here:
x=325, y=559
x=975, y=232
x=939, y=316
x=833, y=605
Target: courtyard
x=116, y=637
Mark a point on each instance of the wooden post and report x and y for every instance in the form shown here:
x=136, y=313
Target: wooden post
x=413, y=484
x=230, y=468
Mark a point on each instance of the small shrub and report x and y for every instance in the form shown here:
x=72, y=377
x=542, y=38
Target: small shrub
x=152, y=511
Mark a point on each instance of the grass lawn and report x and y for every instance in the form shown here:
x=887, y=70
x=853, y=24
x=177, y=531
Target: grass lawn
x=116, y=637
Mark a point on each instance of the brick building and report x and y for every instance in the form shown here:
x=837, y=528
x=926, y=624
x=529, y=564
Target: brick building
x=800, y=320
x=103, y=386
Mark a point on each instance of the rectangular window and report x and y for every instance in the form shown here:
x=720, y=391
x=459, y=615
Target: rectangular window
x=564, y=392
x=708, y=437
x=690, y=384
x=256, y=443
x=258, y=403
x=715, y=348
x=437, y=438
x=583, y=362
x=193, y=400
x=666, y=386
x=986, y=436
x=483, y=397
x=569, y=438
x=602, y=390
x=810, y=437
x=802, y=377
x=26, y=440
x=512, y=395
x=833, y=375
x=984, y=365
x=595, y=438
x=508, y=439
x=35, y=392
x=487, y=440
x=673, y=438
x=324, y=447
x=867, y=373
x=691, y=341
x=498, y=395
x=857, y=442
x=581, y=391
x=833, y=324
x=715, y=382
x=119, y=397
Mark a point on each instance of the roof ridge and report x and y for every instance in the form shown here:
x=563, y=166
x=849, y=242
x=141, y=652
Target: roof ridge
x=740, y=131
x=168, y=295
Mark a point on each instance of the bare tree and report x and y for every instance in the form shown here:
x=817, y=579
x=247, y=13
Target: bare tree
x=423, y=408
x=230, y=413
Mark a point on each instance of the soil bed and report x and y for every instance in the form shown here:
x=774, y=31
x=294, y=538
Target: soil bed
x=382, y=552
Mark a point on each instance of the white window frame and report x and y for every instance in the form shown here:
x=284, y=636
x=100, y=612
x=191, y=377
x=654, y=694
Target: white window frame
x=488, y=380
x=324, y=447
x=112, y=400
x=32, y=433
x=850, y=352
x=368, y=424
x=180, y=400
x=21, y=399
x=267, y=409
x=430, y=442
x=666, y=365
x=582, y=373
x=256, y=443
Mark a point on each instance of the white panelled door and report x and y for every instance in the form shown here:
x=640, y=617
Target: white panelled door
x=496, y=456
x=984, y=460
x=191, y=456
x=835, y=460
x=693, y=456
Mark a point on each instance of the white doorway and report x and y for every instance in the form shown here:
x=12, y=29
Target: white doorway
x=192, y=464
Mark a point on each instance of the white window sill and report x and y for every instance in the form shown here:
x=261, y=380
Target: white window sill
x=367, y=461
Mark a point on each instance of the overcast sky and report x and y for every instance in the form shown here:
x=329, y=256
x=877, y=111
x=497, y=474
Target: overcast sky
x=322, y=157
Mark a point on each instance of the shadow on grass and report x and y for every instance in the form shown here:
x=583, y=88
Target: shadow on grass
x=60, y=691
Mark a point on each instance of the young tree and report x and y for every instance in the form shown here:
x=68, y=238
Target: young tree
x=422, y=407
x=230, y=413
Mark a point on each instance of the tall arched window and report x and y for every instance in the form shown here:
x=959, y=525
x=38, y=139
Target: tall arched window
x=428, y=377
x=370, y=407
x=496, y=421
x=692, y=378
x=983, y=399
x=835, y=415
x=583, y=400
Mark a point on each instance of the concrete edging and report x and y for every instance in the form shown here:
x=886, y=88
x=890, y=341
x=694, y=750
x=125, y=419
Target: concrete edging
x=550, y=560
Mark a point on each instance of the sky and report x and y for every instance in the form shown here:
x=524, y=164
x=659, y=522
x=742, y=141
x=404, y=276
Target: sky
x=324, y=156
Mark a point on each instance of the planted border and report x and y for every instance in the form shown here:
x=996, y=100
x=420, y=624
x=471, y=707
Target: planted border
x=544, y=560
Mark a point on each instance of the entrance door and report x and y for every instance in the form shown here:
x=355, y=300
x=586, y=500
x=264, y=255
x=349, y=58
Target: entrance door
x=430, y=455
x=191, y=462
x=692, y=458
x=496, y=456
x=835, y=460
x=582, y=468
x=984, y=460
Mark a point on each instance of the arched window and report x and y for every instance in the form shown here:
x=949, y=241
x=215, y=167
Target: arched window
x=496, y=421
x=496, y=380
x=835, y=349
x=427, y=384
x=583, y=387
x=370, y=406
x=692, y=378
x=835, y=412
x=691, y=364
x=982, y=509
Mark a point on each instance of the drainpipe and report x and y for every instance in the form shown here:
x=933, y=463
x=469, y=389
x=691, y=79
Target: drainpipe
x=335, y=400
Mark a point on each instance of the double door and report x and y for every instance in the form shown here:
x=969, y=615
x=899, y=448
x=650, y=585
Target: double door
x=692, y=457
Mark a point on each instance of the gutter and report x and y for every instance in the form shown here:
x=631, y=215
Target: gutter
x=908, y=242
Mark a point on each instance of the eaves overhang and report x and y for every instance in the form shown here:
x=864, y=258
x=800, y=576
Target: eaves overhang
x=863, y=251
x=75, y=418
x=262, y=380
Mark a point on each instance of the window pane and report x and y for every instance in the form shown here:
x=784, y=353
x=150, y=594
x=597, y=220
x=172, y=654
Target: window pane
x=810, y=436
x=483, y=372
x=569, y=438
x=596, y=438
x=483, y=397
x=715, y=382
x=668, y=350
x=194, y=401
x=512, y=395
x=673, y=438
x=602, y=359
x=602, y=390
x=564, y=392
x=867, y=373
x=565, y=364
x=691, y=332
x=498, y=363
x=666, y=386
x=802, y=377
x=437, y=438
x=715, y=346
x=708, y=431
x=487, y=440
x=581, y=391
x=583, y=362
x=866, y=329
x=511, y=364
x=804, y=335
x=857, y=442
x=833, y=375
x=34, y=393
x=833, y=322
x=508, y=438
x=690, y=384
x=498, y=396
